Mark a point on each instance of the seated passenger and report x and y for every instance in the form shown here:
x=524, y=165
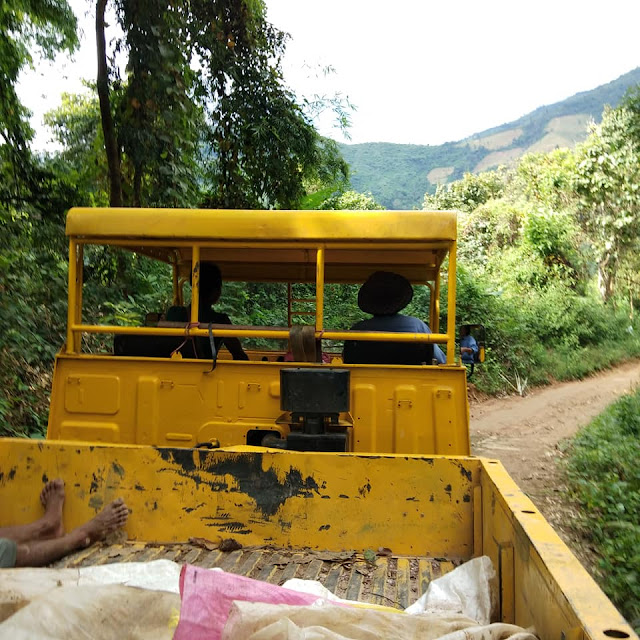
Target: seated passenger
x=210, y=290
x=468, y=346
x=384, y=295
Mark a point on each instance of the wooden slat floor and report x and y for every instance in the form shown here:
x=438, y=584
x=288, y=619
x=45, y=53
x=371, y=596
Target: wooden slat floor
x=393, y=581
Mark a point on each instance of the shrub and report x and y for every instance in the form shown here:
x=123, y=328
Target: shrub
x=605, y=478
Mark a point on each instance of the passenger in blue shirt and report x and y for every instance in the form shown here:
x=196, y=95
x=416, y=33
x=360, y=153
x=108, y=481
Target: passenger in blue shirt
x=384, y=295
x=468, y=346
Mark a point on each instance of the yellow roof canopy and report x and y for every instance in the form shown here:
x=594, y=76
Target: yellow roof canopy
x=278, y=246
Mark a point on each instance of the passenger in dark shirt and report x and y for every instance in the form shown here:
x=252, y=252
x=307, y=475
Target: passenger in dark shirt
x=210, y=290
x=384, y=295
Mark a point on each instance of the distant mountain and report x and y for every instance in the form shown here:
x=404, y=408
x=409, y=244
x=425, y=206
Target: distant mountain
x=398, y=175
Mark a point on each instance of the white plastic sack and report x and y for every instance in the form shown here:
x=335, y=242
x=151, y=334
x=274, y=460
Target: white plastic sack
x=19, y=586
x=469, y=589
x=262, y=621
x=96, y=612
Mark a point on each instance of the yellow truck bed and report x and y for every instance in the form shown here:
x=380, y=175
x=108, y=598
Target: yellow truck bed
x=276, y=503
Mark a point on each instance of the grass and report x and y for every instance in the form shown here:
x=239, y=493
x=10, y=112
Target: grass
x=604, y=477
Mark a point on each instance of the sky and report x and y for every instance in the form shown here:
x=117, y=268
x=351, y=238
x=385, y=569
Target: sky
x=419, y=71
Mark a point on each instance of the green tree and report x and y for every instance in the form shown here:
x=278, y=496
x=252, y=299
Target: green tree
x=232, y=129
x=75, y=124
x=608, y=184
x=352, y=200
x=547, y=178
x=468, y=193
x=25, y=25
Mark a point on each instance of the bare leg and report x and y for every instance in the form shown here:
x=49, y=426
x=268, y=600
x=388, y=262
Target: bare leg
x=41, y=552
x=50, y=525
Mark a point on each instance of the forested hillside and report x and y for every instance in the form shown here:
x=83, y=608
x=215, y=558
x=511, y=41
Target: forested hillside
x=398, y=175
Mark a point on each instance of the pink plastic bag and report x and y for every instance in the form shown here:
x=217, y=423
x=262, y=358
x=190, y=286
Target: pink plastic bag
x=207, y=597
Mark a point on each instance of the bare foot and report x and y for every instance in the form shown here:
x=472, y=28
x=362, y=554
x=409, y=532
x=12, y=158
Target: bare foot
x=52, y=499
x=112, y=517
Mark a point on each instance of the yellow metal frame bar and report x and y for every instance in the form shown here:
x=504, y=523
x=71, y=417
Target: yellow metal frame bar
x=195, y=283
x=74, y=301
x=75, y=327
x=451, y=305
x=319, y=288
x=294, y=244
x=276, y=334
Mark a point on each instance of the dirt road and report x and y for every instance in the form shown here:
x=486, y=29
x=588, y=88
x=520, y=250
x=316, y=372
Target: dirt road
x=524, y=434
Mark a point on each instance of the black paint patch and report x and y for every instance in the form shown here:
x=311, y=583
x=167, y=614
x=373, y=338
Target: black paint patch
x=232, y=527
x=12, y=473
x=431, y=499
x=342, y=495
x=466, y=473
x=138, y=487
x=365, y=489
x=267, y=489
x=45, y=478
x=466, y=498
x=325, y=527
x=181, y=457
x=326, y=497
x=448, y=488
x=412, y=499
x=94, y=484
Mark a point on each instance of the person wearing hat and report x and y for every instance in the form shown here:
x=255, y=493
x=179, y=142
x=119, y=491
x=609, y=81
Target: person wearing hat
x=384, y=295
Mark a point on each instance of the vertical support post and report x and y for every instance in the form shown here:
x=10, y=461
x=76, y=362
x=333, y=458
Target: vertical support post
x=432, y=306
x=71, y=300
x=451, y=306
x=320, y=288
x=176, y=284
x=435, y=327
x=195, y=283
x=77, y=346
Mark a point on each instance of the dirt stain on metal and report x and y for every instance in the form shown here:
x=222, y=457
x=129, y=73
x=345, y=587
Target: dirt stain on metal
x=96, y=502
x=118, y=469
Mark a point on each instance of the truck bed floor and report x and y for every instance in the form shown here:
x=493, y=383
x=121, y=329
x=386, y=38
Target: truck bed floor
x=393, y=581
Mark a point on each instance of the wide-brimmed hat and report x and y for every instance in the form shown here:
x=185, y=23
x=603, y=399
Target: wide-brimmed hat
x=384, y=293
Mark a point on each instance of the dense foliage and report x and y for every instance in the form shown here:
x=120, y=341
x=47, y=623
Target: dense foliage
x=396, y=174
x=534, y=243
x=605, y=478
